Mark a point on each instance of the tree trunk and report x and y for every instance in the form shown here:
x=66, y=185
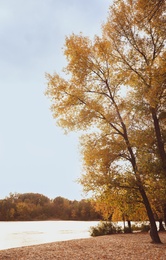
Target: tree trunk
x=129, y=226
x=161, y=227
x=153, y=228
x=124, y=221
x=164, y=210
x=160, y=143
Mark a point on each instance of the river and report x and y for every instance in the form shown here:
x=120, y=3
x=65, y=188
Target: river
x=26, y=233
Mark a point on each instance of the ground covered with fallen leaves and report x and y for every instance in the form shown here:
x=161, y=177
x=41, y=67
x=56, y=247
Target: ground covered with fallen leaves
x=136, y=246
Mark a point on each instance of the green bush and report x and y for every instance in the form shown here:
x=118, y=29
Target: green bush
x=127, y=230
x=142, y=228
x=105, y=228
x=135, y=227
x=145, y=228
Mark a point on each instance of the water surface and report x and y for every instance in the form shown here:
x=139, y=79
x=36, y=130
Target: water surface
x=25, y=233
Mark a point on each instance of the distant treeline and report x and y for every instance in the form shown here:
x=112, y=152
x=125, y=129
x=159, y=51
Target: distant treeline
x=34, y=206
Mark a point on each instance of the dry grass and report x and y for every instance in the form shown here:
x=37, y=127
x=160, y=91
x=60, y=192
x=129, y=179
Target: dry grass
x=122, y=246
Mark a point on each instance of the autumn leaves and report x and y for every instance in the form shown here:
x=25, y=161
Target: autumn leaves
x=123, y=148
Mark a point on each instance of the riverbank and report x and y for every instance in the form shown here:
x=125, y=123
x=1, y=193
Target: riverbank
x=114, y=247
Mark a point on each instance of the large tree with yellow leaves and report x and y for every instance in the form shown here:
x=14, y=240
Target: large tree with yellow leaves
x=114, y=89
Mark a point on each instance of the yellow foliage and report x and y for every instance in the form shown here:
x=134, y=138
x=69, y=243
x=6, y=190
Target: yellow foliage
x=120, y=154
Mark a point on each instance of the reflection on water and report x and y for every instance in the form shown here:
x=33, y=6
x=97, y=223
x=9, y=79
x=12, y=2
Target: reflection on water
x=17, y=234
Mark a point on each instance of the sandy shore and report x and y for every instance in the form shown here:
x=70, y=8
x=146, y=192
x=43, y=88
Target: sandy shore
x=121, y=246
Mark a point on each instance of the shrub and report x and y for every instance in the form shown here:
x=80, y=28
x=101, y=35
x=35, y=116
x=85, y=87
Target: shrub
x=127, y=230
x=145, y=228
x=105, y=228
x=135, y=227
x=141, y=228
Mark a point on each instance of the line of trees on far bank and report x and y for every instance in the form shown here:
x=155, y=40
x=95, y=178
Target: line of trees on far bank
x=34, y=206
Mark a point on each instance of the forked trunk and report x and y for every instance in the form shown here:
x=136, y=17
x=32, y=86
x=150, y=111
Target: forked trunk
x=153, y=228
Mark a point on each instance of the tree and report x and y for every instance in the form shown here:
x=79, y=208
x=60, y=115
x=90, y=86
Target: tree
x=61, y=208
x=90, y=97
x=137, y=31
x=114, y=187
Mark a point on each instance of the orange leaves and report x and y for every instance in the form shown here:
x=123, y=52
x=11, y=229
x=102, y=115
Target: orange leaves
x=77, y=51
x=131, y=31
x=129, y=55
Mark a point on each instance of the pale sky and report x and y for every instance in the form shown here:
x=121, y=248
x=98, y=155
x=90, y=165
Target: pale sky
x=35, y=155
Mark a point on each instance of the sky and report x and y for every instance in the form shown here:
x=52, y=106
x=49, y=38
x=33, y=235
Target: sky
x=35, y=155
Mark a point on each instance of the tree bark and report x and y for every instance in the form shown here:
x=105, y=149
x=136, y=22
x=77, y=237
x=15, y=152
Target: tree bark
x=161, y=227
x=160, y=143
x=153, y=228
x=164, y=210
x=129, y=226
